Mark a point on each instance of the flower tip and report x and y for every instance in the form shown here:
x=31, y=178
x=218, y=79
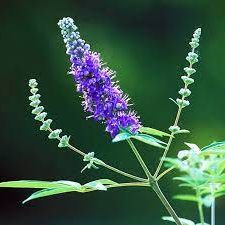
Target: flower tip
x=33, y=83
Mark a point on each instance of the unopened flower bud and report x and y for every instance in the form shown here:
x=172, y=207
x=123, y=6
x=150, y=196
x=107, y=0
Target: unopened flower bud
x=33, y=83
x=34, y=90
x=184, y=92
x=34, y=97
x=64, y=142
x=37, y=110
x=35, y=103
x=174, y=129
x=189, y=71
x=182, y=103
x=41, y=116
x=55, y=134
x=46, y=125
x=187, y=80
x=192, y=57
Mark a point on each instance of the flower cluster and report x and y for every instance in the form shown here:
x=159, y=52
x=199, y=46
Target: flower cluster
x=192, y=58
x=102, y=97
x=40, y=115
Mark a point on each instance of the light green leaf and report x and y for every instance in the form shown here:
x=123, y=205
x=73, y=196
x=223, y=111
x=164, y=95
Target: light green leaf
x=121, y=137
x=201, y=224
x=193, y=147
x=182, y=131
x=99, y=184
x=68, y=183
x=215, y=146
x=153, y=131
x=182, y=220
x=140, y=137
x=191, y=198
x=52, y=191
x=149, y=140
x=31, y=184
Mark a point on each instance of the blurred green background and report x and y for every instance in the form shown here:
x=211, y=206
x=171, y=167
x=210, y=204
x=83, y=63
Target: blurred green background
x=146, y=42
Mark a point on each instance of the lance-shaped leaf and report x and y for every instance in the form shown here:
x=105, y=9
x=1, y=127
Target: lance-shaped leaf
x=52, y=191
x=152, y=131
x=140, y=137
x=182, y=220
x=191, y=198
x=99, y=184
x=31, y=184
x=215, y=146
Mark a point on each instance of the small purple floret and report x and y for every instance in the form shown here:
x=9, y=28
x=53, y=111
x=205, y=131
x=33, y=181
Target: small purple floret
x=102, y=97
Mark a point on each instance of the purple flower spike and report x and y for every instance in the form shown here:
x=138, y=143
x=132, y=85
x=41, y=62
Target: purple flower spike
x=102, y=97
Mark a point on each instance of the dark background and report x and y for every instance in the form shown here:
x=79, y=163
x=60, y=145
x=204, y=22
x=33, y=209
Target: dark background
x=146, y=42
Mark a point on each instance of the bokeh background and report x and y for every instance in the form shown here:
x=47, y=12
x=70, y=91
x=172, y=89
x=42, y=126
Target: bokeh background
x=146, y=42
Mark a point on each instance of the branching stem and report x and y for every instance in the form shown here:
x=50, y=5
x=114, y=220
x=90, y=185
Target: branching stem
x=154, y=185
x=106, y=165
x=172, y=133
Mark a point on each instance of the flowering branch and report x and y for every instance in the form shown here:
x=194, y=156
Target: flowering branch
x=192, y=58
x=64, y=140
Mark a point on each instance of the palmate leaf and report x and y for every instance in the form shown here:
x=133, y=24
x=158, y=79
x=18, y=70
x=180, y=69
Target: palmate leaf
x=148, y=139
x=152, y=131
x=57, y=187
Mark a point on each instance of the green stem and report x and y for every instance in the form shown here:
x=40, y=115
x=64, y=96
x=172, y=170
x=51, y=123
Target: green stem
x=172, y=134
x=200, y=208
x=165, y=172
x=213, y=213
x=106, y=165
x=153, y=183
x=213, y=205
x=140, y=160
x=131, y=184
x=164, y=201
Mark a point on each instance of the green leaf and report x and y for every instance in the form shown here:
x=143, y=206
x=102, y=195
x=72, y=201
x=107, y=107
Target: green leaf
x=191, y=198
x=202, y=224
x=149, y=140
x=122, y=137
x=57, y=187
x=51, y=191
x=215, y=146
x=31, y=184
x=99, y=184
x=182, y=220
x=182, y=131
x=153, y=131
x=140, y=137
x=186, y=179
